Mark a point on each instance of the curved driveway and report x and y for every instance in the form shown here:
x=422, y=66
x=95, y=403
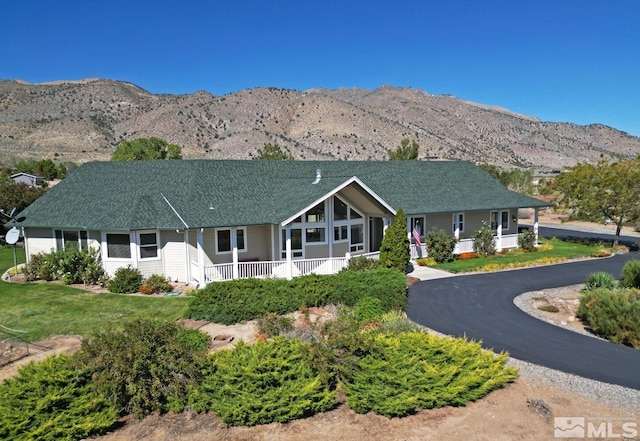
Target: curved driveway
x=481, y=307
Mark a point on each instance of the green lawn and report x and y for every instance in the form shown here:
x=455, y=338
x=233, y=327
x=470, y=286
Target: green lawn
x=562, y=250
x=47, y=309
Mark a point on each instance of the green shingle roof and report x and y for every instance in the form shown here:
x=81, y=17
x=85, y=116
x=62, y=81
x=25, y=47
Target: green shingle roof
x=219, y=193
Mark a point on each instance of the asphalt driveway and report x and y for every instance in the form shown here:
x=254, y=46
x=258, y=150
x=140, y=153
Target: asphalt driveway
x=481, y=307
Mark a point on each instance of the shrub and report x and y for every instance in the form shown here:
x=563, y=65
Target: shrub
x=467, y=256
x=599, y=280
x=427, y=261
x=51, y=401
x=144, y=367
x=483, y=242
x=415, y=370
x=126, y=280
x=267, y=382
x=273, y=324
x=440, y=245
x=630, y=275
x=193, y=339
x=247, y=299
x=548, y=308
x=69, y=265
x=394, y=250
x=362, y=263
x=527, y=239
x=612, y=314
x=368, y=309
x=155, y=284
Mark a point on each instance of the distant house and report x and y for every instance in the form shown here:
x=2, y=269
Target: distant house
x=199, y=221
x=29, y=179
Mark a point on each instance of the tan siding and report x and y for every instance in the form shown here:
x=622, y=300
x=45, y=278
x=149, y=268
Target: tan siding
x=316, y=251
x=473, y=222
x=340, y=249
x=258, y=243
x=443, y=221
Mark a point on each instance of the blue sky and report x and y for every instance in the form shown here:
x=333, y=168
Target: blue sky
x=562, y=60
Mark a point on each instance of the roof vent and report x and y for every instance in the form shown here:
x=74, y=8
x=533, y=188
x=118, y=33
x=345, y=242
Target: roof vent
x=318, y=176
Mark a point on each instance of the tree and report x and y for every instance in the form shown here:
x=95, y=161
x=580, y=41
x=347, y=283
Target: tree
x=394, y=250
x=144, y=149
x=604, y=192
x=18, y=196
x=405, y=152
x=516, y=180
x=273, y=152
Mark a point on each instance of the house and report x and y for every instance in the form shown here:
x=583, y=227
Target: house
x=27, y=178
x=198, y=221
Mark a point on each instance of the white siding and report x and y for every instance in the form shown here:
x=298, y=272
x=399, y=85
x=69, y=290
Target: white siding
x=39, y=240
x=173, y=255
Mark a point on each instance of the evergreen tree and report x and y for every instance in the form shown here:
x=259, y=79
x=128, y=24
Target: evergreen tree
x=405, y=152
x=273, y=152
x=394, y=251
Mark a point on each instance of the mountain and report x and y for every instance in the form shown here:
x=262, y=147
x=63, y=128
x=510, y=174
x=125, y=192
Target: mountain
x=85, y=120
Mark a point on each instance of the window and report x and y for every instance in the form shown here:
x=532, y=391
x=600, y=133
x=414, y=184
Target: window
x=71, y=239
x=148, y=243
x=354, y=214
x=504, y=216
x=315, y=235
x=118, y=246
x=357, y=237
x=340, y=209
x=458, y=222
x=316, y=214
x=340, y=233
x=296, y=243
x=224, y=244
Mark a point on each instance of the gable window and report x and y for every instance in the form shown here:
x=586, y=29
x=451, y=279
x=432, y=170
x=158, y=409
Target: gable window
x=504, y=216
x=224, y=243
x=118, y=246
x=148, y=245
x=71, y=239
x=340, y=209
x=316, y=214
x=458, y=222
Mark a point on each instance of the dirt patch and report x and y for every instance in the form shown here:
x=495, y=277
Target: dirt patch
x=504, y=414
x=565, y=300
x=38, y=351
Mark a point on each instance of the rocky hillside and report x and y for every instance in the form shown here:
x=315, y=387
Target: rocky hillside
x=85, y=120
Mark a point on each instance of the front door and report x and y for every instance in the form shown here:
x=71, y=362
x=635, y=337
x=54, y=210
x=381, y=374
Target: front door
x=376, y=232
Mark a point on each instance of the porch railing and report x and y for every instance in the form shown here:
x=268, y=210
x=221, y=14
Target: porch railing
x=466, y=246
x=277, y=269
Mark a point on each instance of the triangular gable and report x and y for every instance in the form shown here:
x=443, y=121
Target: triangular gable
x=353, y=180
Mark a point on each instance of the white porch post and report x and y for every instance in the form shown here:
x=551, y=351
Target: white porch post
x=288, y=253
x=187, y=270
x=273, y=243
x=234, y=252
x=385, y=224
x=535, y=226
x=201, y=279
x=499, y=233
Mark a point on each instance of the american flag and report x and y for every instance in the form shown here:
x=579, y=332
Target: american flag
x=416, y=235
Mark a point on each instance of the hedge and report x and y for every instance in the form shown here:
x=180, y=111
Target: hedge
x=247, y=299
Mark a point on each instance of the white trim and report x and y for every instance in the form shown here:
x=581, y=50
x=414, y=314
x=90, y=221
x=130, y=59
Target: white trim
x=348, y=182
x=139, y=247
x=105, y=247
